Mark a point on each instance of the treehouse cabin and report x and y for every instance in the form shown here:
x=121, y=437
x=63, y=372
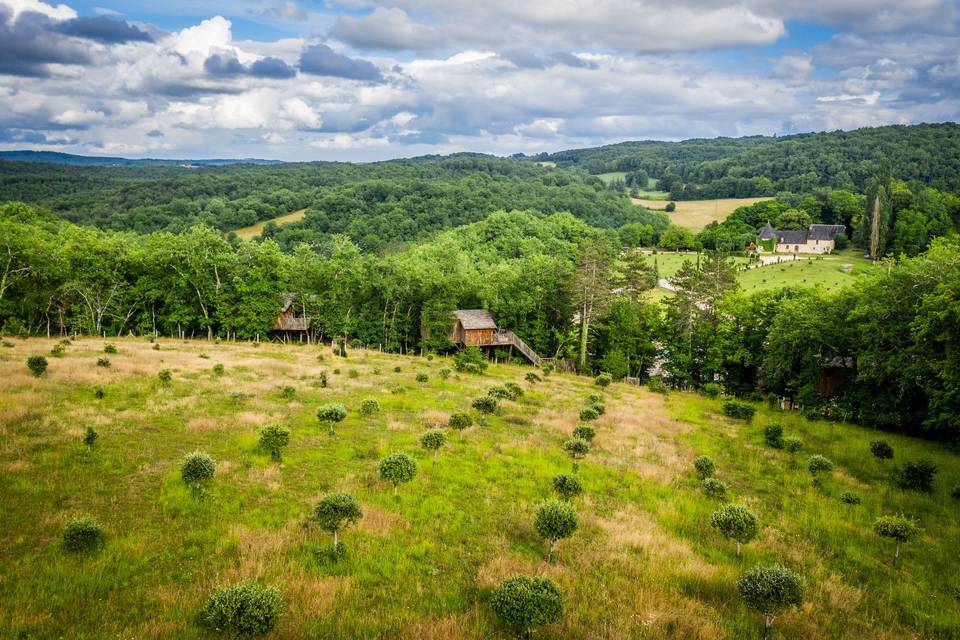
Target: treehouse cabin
x=292, y=323
x=477, y=328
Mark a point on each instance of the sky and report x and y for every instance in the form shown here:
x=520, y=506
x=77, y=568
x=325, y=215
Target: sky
x=362, y=80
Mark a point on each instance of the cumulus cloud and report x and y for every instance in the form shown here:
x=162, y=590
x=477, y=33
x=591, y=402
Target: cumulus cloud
x=285, y=11
x=321, y=60
x=103, y=29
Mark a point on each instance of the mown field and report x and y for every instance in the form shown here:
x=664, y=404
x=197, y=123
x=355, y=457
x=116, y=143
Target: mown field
x=254, y=230
x=644, y=562
x=696, y=214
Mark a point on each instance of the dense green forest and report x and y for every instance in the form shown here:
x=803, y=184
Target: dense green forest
x=764, y=166
x=892, y=340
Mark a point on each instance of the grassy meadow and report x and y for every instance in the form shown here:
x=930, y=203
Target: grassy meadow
x=644, y=562
x=695, y=214
x=254, y=230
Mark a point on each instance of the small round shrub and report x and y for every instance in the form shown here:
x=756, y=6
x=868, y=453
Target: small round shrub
x=576, y=448
x=369, y=406
x=397, y=468
x=287, y=392
x=603, y=380
x=244, y=610
x=58, y=350
x=657, y=384
x=323, y=380
x=433, y=440
x=218, y=369
x=472, y=367
x=156, y=346
x=444, y=373
x=819, y=464
x=713, y=488
x=585, y=432
x=485, y=404
x=90, y=437
x=735, y=522
x=849, y=497
x=98, y=393
x=353, y=374
x=705, y=466
x=37, y=365
x=547, y=369
x=514, y=390
x=532, y=377
x=330, y=414
x=422, y=378
x=589, y=413
x=103, y=362
x=336, y=511
x=568, y=486
x=82, y=533
x=336, y=371
x=109, y=348
x=738, y=410
x=881, y=449
x=459, y=421
x=899, y=528
x=397, y=369
x=711, y=390
x=773, y=435
x=792, y=444
x=917, y=476
x=470, y=360
x=594, y=398
x=599, y=407
x=522, y=603
x=197, y=468
x=273, y=438
x=499, y=392
x=376, y=371
x=770, y=590
x=165, y=376
x=555, y=519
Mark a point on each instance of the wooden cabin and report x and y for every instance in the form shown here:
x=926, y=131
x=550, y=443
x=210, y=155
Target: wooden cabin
x=293, y=324
x=473, y=327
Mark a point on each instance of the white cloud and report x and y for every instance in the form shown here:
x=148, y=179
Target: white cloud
x=58, y=12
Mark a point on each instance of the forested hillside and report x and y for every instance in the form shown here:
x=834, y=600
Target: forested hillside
x=763, y=166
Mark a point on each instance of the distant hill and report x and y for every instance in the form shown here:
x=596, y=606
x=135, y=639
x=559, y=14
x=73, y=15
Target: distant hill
x=54, y=157
x=764, y=166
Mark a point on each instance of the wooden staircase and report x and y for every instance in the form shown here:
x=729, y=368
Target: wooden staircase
x=505, y=336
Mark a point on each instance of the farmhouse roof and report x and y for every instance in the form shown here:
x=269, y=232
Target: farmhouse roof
x=792, y=237
x=825, y=231
x=475, y=318
x=768, y=233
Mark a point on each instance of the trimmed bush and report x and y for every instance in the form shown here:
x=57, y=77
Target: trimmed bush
x=576, y=448
x=522, y=603
x=770, y=590
x=568, y=486
x=711, y=390
x=713, y=488
x=499, y=392
x=330, y=414
x=164, y=376
x=849, y=497
x=273, y=438
x=917, y=476
x=336, y=511
x=584, y=432
x=485, y=404
x=792, y=444
x=603, y=380
x=470, y=356
x=432, y=440
x=818, y=465
x=422, y=378
x=218, y=369
x=287, y=393
x=735, y=522
x=459, y=421
x=103, y=362
x=197, y=469
x=738, y=410
x=82, y=533
x=547, y=369
x=58, y=350
x=599, y=407
x=397, y=369
x=589, y=413
x=555, y=520
x=353, y=374
x=243, y=609
x=98, y=393
x=37, y=365
x=594, y=398
x=899, y=528
x=397, y=469
x=369, y=406
x=323, y=380
x=657, y=384
x=881, y=449
x=773, y=435
x=444, y=373
x=514, y=390
x=532, y=377
x=90, y=437
x=109, y=348
x=705, y=466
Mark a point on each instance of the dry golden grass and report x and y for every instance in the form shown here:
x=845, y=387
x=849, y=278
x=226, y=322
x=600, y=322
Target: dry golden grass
x=696, y=214
x=248, y=233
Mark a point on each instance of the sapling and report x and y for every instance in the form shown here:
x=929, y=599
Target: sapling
x=422, y=378
x=585, y=432
x=773, y=435
x=444, y=373
x=568, y=486
x=369, y=406
x=714, y=488
x=899, y=528
x=522, y=603
x=769, y=591
x=603, y=380
x=555, y=520
x=82, y=533
x=164, y=376
x=818, y=465
x=336, y=511
x=576, y=448
x=397, y=468
x=735, y=522
x=881, y=449
x=705, y=466
x=273, y=438
x=197, y=469
x=459, y=421
x=90, y=438
x=485, y=404
x=330, y=414
x=37, y=365
x=532, y=377
x=432, y=440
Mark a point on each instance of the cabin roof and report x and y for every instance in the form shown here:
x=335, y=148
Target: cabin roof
x=825, y=231
x=475, y=319
x=791, y=237
x=767, y=233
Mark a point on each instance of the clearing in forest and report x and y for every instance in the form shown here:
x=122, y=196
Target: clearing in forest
x=696, y=214
x=251, y=232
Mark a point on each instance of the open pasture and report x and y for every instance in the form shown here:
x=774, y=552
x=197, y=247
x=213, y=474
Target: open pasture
x=696, y=214
x=643, y=563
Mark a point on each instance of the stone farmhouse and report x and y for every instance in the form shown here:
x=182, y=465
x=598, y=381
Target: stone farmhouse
x=819, y=238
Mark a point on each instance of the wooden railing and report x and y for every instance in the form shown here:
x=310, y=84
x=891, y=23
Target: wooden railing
x=505, y=336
